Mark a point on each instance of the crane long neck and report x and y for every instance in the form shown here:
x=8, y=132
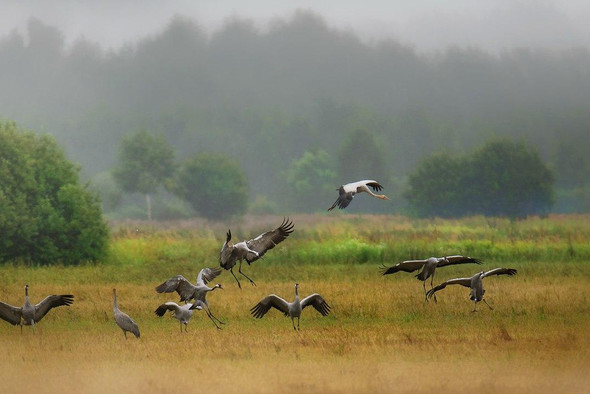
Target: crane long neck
x=27, y=302
x=115, y=306
x=368, y=190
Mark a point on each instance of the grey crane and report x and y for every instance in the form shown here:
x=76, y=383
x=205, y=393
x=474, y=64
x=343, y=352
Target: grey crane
x=182, y=313
x=29, y=314
x=291, y=309
x=253, y=249
x=123, y=320
x=475, y=283
x=347, y=192
x=428, y=266
x=188, y=291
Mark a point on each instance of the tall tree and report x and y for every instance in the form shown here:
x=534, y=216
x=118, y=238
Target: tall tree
x=311, y=179
x=145, y=163
x=46, y=215
x=214, y=185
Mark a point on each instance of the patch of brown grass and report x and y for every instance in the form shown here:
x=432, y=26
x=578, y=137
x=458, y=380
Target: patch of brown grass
x=380, y=337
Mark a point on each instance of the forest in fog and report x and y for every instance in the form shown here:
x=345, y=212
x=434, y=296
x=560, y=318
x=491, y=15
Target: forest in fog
x=266, y=97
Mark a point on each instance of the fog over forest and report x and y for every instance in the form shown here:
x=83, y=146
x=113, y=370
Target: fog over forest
x=265, y=96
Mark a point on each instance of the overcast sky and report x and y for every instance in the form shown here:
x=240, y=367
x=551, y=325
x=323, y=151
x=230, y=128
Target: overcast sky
x=425, y=24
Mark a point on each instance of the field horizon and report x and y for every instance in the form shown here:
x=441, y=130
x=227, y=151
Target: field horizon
x=381, y=335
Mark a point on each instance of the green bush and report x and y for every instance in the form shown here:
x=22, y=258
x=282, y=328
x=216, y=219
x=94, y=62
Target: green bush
x=46, y=216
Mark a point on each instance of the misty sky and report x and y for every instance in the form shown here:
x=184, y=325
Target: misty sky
x=425, y=24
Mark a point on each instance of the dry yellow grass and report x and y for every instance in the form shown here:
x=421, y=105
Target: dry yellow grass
x=380, y=337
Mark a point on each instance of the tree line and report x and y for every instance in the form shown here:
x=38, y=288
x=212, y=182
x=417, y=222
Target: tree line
x=47, y=215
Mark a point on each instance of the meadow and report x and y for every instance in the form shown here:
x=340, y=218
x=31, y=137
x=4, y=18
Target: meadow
x=380, y=337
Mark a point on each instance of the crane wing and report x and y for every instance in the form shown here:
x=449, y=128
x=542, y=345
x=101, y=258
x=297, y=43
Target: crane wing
x=52, y=301
x=457, y=259
x=500, y=271
x=406, y=266
x=457, y=281
x=226, y=250
x=318, y=302
x=269, y=240
x=208, y=274
x=11, y=314
x=180, y=285
x=167, y=306
x=127, y=323
x=266, y=303
x=344, y=198
x=376, y=186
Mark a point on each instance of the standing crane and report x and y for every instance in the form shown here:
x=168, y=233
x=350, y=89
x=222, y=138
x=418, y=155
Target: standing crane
x=475, y=283
x=253, y=249
x=29, y=314
x=291, y=309
x=428, y=266
x=123, y=320
x=347, y=192
x=188, y=291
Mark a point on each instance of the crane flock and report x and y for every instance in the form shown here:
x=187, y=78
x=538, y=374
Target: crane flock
x=250, y=251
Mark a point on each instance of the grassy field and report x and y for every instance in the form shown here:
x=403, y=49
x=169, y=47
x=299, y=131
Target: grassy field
x=380, y=337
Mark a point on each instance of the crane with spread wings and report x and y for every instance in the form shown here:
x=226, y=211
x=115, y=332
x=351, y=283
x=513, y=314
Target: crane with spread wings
x=252, y=249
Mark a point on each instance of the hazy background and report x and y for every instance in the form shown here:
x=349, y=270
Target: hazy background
x=266, y=81
x=425, y=24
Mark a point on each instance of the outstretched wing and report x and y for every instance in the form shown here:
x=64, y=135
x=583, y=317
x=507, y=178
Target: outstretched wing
x=376, y=186
x=406, y=266
x=167, y=306
x=457, y=259
x=179, y=284
x=500, y=271
x=207, y=274
x=11, y=314
x=269, y=240
x=52, y=301
x=318, y=302
x=266, y=303
x=457, y=281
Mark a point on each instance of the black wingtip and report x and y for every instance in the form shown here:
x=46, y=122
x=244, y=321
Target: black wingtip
x=287, y=226
x=384, y=270
x=68, y=299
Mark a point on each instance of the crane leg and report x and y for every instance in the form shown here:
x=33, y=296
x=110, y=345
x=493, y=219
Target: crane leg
x=432, y=286
x=209, y=315
x=234, y=275
x=245, y=276
x=297, y=323
x=293, y=321
x=474, y=306
x=125, y=333
x=214, y=317
x=489, y=306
